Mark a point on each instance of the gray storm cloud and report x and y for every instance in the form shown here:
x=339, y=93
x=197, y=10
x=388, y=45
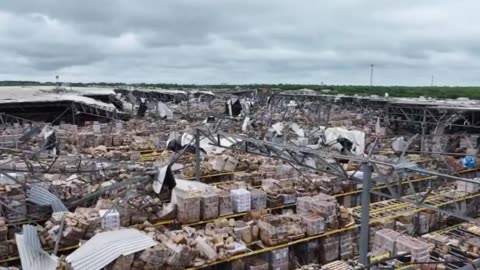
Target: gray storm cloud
x=268, y=41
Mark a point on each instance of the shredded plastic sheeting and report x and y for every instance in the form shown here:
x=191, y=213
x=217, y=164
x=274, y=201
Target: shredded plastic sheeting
x=357, y=137
x=164, y=111
x=297, y=129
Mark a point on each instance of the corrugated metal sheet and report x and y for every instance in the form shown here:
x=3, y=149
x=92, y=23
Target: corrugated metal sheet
x=32, y=256
x=41, y=196
x=105, y=247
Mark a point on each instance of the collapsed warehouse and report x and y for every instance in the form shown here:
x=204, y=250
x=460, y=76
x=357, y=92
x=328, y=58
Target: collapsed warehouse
x=130, y=179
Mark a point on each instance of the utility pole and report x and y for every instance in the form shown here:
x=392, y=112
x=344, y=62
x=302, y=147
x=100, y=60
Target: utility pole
x=431, y=84
x=371, y=75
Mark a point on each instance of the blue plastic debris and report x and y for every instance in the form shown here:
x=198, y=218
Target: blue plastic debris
x=469, y=162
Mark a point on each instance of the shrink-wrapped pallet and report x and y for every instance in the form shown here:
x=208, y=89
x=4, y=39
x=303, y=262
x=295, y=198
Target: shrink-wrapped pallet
x=346, y=245
x=259, y=199
x=241, y=200
x=422, y=223
x=108, y=139
x=278, y=258
x=110, y=219
x=329, y=249
x=209, y=205
x=306, y=252
x=225, y=204
x=188, y=207
x=395, y=243
x=468, y=187
x=289, y=198
x=419, y=250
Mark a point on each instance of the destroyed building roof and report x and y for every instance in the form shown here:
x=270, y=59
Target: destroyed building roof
x=159, y=90
x=210, y=93
x=17, y=94
x=421, y=101
x=32, y=256
x=105, y=247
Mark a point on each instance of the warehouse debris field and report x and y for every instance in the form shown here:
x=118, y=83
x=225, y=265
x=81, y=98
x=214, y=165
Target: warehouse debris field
x=127, y=179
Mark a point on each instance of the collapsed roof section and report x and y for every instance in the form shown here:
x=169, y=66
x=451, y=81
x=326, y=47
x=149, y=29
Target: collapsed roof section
x=61, y=104
x=163, y=95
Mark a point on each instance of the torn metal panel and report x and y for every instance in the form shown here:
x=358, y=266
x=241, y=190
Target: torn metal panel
x=41, y=196
x=105, y=247
x=32, y=256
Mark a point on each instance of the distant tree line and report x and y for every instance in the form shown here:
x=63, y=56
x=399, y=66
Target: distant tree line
x=472, y=92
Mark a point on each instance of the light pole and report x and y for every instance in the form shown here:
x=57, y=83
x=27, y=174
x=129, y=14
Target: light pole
x=371, y=75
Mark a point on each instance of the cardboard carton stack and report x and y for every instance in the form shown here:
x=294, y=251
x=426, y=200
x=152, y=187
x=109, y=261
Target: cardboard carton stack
x=279, y=192
x=243, y=176
x=279, y=259
x=306, y=253
x=396, y=243
x=277, y=229
x=314, y=223
x=329, y=249
x=322, y=204
x=268, y=170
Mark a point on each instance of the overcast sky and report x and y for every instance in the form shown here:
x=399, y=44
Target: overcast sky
x=244, y=41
